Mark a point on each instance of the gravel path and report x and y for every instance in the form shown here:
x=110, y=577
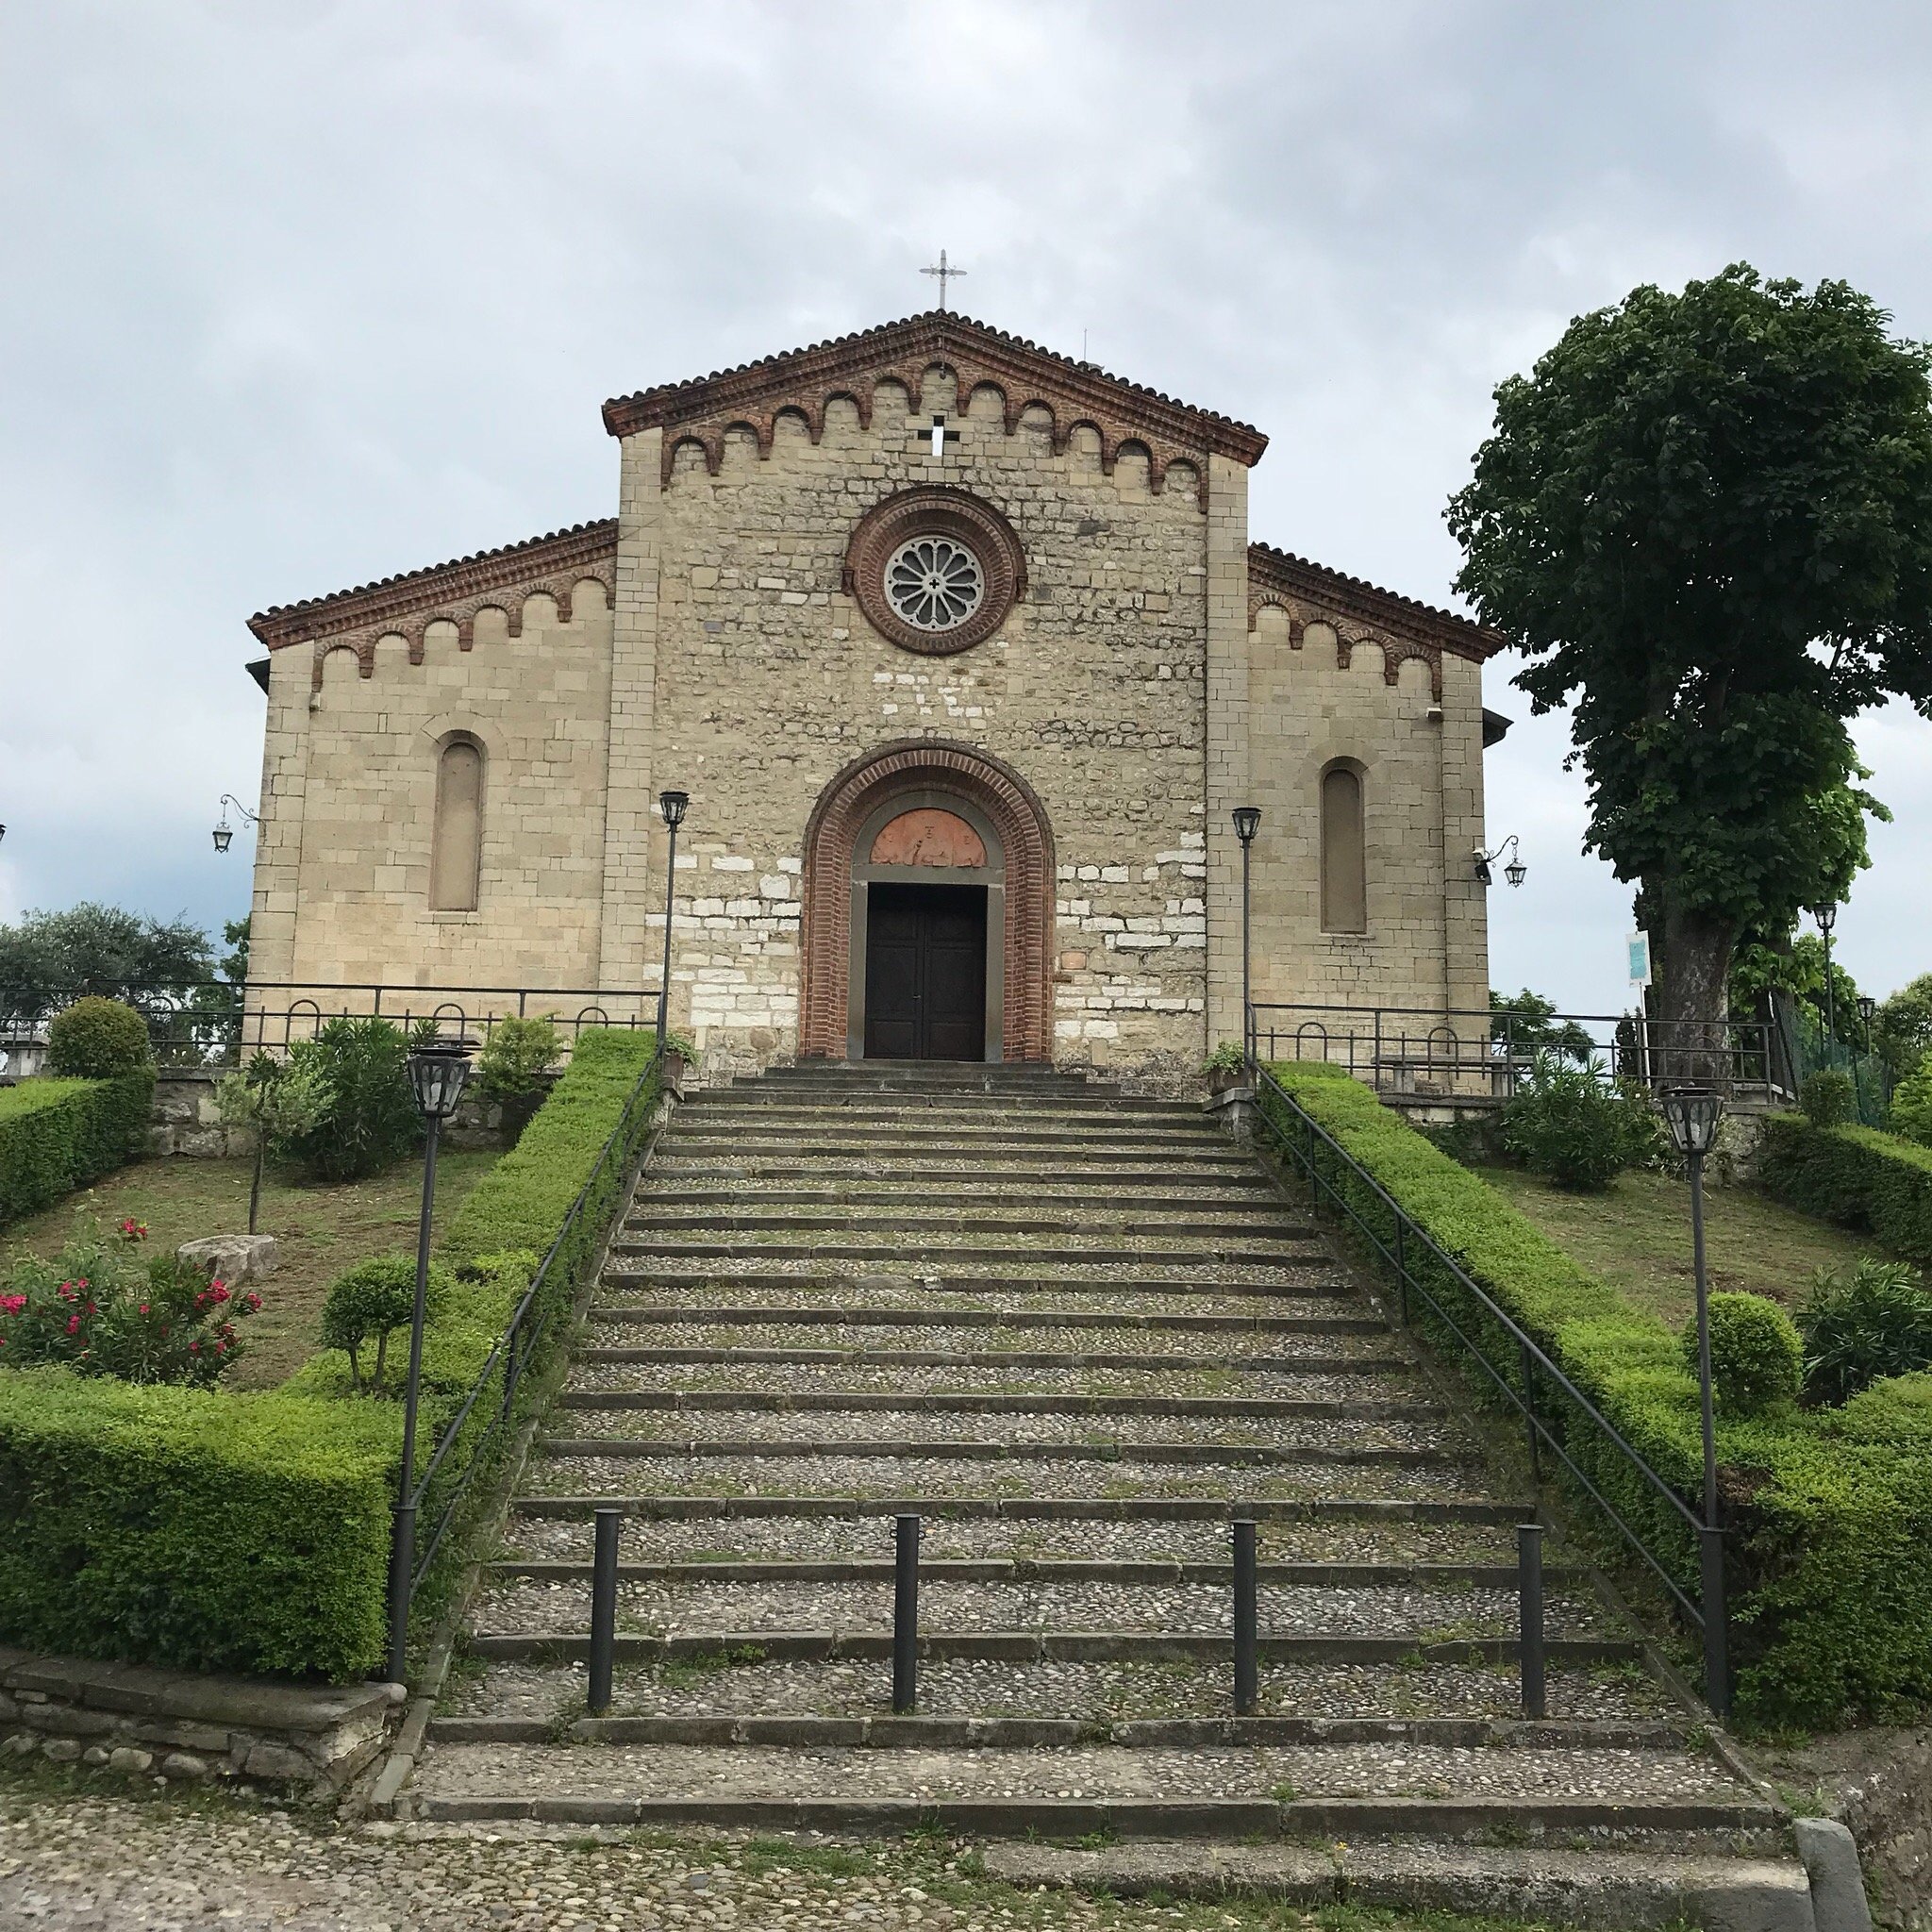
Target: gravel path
x=105, y=1863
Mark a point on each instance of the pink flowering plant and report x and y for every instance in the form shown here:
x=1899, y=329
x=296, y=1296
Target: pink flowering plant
x=103, y=1309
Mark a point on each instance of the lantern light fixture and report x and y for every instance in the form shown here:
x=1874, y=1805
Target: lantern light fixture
x=1248, y=822
x=672, y=805
x=1515, y=871
x=1694, y=1114
x=224, y=833
x=438, y=1071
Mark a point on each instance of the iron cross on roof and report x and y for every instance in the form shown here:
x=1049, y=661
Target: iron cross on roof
x=945, y=271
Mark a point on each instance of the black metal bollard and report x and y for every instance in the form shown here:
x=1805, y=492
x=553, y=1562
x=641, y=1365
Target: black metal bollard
x=1246, y=1665
x=603, y=1609
x=904, y=1614
x=1529, y=1595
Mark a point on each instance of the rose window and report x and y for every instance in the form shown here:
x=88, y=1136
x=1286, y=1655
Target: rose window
x=934, y=583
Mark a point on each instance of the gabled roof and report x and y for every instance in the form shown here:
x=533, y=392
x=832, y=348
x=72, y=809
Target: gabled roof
x=1280, y=572
x=1023, y=370
x=462, y=576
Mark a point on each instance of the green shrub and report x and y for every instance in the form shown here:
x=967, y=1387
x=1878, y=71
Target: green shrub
x=1828, y=1097
x=176, y=1526
x=1757, y=1358
x=1228, y=1058
x=1858, y=1325
x=60, y=1135
x=370, y=1301
x=1568, y=1126
x=1829, y=1516
x=367, y=1116
x=1855, y=1175
x=102, y=1309
x=97, y=1039
x=515, y=1053
x=280, y=1099
x=1911, y=1106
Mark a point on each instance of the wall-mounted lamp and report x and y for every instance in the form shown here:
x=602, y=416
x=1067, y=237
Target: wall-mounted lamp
x=1515, y=871
x=224, y=833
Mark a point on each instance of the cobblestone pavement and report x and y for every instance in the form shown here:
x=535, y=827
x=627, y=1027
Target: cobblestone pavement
x=76, y=1859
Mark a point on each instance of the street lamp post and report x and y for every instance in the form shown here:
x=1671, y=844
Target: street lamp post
x=1826, y=917
x=1248, y=822
x=224, y=833
x=1693, y=1115
x=439, y=1068
x=672, y=805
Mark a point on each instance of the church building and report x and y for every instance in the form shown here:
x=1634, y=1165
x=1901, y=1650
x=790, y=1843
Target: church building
x=964, y=658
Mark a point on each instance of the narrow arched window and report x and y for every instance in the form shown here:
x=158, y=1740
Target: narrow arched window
x=456, y=853
x=1344, y=853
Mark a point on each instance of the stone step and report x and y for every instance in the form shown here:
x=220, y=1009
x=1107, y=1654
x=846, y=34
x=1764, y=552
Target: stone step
x=1021, y=1101
x=867, y=1330
x=1234, y=1791
x=628, y=1388
x=836, y=1136
x=1216, y=1575
x=929, y=1254
x=1197, y=1180
x=1740, y=1889
x=702, y=1345
x=1340, y=1546
x=554, y=1643
x=1238, y=1295
x=1403, y=1440
x=1077, y=1220
x=1104, y=1201
x=861, y=1153
x=1328, y=1513
x=788, y=1476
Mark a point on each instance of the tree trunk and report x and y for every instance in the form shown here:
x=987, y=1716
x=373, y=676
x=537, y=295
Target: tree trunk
x=1693, y=1048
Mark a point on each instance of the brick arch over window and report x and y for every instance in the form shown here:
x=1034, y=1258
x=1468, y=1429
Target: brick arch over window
x=929, y=765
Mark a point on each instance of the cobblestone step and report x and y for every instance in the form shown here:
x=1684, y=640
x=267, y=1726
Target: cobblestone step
x=1074, y=1221
x=1339, y=1543
x=862, y=1138
x=937, y=1255
x=643, y=1388
x=1017, y=1102
x=555, y=1644
x=1243, y=1295
x=1339, y=1790
x=1424, y=1701
x=1233, y=1179
x=793, y=1303
x=1384, y=1608
x=989, y=1154
x=951, y=1507
x=1108, y=1200
x=767, y=1346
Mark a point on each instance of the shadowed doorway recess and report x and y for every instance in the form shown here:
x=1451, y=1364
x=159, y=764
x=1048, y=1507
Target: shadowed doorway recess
x=925, y=972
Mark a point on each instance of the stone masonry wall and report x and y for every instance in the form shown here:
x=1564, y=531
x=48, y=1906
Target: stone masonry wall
x=349, y=790
x=769, y=680
x=1422, y=781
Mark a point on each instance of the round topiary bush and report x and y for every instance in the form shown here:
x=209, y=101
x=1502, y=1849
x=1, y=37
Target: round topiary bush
x=369, y=1301
x=97, y=1039
x=1828, y=1097
x=1757, y=1356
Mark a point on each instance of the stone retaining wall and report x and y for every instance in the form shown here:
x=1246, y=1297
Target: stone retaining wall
x=185, y=1725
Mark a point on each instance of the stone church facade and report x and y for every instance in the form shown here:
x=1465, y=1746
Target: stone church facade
x=964, y=657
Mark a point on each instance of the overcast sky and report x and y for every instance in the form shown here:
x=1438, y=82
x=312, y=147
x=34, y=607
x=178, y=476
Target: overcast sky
x=300, y=295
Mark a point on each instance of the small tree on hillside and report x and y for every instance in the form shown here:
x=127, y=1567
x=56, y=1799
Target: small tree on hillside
x=1707, y=518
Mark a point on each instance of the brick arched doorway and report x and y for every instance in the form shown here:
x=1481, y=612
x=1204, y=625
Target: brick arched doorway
x=926, y=772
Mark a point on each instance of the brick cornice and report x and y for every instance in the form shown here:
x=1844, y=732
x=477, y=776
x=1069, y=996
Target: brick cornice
x=1361, y=613
x=806, y=380
x=442, y=589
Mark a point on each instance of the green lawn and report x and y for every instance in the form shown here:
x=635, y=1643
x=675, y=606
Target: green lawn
x=1636, y=1237
x=321, y=1230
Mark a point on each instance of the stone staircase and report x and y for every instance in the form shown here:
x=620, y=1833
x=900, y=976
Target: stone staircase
x=1072, y=1331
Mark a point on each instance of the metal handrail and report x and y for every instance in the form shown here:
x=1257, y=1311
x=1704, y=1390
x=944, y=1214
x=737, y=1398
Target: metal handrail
x=1533, y=1360
x=515, y=1359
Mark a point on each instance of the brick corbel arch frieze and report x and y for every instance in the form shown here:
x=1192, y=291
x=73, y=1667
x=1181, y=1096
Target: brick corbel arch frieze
x=831, y=833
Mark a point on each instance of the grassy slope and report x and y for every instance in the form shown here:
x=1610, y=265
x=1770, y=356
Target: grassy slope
x=1636, y=1237
x=321, y=1230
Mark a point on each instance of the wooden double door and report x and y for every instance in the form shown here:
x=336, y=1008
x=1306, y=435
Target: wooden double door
x=925, y=972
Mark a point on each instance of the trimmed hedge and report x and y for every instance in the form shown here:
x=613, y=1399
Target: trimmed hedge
x=250, y=1532
x=182, y=1527
x=60, y=1135
x=1830, y=1514
x=1851, y=1175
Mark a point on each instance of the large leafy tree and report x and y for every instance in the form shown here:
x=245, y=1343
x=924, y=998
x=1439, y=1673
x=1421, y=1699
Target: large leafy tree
x=1706, y=518
x=51, y=958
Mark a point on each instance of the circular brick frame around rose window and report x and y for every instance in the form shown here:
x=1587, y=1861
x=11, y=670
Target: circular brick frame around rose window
x=935, y=510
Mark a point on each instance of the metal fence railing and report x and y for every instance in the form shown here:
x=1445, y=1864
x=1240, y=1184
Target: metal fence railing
x=1486, y=1055
x=217, y=1023
x=477, y=1431
x=1557, y=1418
